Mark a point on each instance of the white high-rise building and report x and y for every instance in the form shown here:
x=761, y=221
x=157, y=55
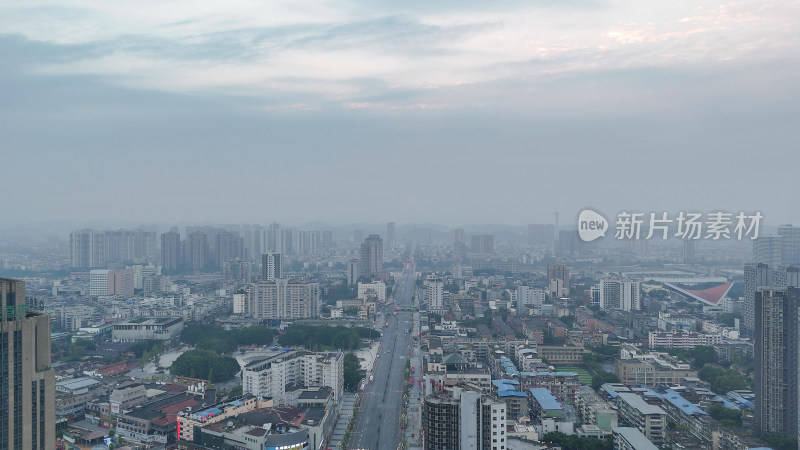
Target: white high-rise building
x=353, y=272
x=271, y=268
x=529, y=298
x=98, y=283
x=620, y=294
x=376, y=289
x=282, y=299
x=464, y=419
x=269, y=377
x=240, y=304
x=434, y=294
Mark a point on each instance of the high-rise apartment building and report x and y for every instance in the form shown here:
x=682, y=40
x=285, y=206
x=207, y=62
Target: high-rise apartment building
x=229, y=246
x=282, y=299
x=458, y=235
x=529, y=298
x=780, y=250
x=171, y=260
x=273, y=237
x=390, y=235
x=103, y=282
x=196, y=251
x=558, y=272
x=757, y=275
x=353, y=271
x=777, y=316
x=790, y=245
x=434, y=294
x=540, y=234
x=27, y=384
x=483, y=243
x=464, y=419
x=768, y=250
x=270, y=376
x=689, y=251
x=95, y=249
x=620, y=294
x=327, y=239
x=87, y=249
x=372, y=257
x=271, y=268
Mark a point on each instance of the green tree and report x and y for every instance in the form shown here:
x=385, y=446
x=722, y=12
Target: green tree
x=603, y=377
x=352, y=372
x=205, y=364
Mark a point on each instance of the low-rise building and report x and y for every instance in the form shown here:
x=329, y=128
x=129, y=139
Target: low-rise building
x=652, y=370
x=629, y=438
x=561, y=354
x=634, y=412
x=593, y=410
x=681, y=339
x=147, y=328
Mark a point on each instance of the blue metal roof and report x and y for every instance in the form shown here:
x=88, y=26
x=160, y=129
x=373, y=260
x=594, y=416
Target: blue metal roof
x=681, y=403
x=511, y=393
x=545, y=398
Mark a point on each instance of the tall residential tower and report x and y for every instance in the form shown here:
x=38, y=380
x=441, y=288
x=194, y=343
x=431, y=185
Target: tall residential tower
x=27, y=384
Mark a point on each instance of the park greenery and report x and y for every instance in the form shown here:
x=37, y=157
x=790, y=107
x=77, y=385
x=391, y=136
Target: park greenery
x=77, y=350
x=206, y=365
x=223, y=341
x=326, y=338
x=726, y=416
x=573, y=442
x=352, y=372
x=698, y=356
x=601, y=377
x=722, y=380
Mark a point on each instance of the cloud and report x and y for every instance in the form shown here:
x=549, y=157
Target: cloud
x=178, y=110
x=328, y=49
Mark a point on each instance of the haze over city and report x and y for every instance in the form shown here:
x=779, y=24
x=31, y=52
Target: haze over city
x=455, y=114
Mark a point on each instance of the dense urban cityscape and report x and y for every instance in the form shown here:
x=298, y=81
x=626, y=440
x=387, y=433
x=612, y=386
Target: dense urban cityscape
x=258, y=337
x=415, y=225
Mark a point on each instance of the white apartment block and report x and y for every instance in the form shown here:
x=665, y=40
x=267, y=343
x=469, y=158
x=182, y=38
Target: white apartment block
x=270, y=377
x=649, y=419
x=98, y=283
x=375, y=289
x=282, y=299
x=620, y=294
x=529, y=298
x=434, y=294
x=240, y=304
x=682, y=340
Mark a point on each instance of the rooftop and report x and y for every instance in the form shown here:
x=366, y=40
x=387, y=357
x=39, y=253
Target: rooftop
x=545, y=398
x=681, y=403
x=77, y=383
x=640, y=405
x=635, y=438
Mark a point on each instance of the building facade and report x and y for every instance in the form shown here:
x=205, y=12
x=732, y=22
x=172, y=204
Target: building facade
x=777, y=315
x=271, y=268
x=371, y=264
x=27, y=384
x=283, y=299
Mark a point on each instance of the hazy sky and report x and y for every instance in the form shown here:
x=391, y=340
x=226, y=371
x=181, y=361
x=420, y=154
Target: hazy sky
x=453, y=112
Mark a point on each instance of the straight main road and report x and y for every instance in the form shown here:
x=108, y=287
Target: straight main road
x=378, y=423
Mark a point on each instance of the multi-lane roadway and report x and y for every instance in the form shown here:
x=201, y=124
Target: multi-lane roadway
x=378, y=424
